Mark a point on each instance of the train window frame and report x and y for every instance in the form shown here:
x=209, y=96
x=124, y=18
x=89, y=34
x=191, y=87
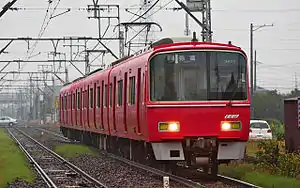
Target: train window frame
x=65, y=100
x=74, y=101
x=195, y=50
x=82, y=100
x=78, y=100
x=91, y=97
x=132, y=91
x=98, y=96
x=105, y=95
x=110, y=94
x=120, y=92
x=70, y=100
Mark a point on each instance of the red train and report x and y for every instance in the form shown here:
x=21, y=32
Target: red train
x=173, y=102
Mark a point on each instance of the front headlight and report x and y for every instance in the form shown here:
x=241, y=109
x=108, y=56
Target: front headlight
x=168, y=127
x=230, y=125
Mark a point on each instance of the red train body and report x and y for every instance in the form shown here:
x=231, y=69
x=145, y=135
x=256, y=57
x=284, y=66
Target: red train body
x=176, y=98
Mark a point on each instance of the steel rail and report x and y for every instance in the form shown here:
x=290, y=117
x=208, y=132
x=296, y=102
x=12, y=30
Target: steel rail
x=178, y=179
x=53, y=133
x=236, y=181
x=72, y=166
x=43, y=174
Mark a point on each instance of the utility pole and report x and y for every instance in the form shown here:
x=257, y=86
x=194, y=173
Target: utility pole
x=252, y=29
x=255, y=64
x=204, y=7
x=31, y=98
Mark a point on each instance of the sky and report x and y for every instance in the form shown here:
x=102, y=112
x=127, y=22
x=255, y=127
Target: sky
x=277, y=47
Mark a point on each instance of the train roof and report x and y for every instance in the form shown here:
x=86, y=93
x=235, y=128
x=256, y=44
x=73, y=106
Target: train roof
x=164, y=43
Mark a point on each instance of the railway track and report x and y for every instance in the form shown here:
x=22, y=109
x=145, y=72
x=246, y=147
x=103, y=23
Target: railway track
x=54, y=170
x=196, y=181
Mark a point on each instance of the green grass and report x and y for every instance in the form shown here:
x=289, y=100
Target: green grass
x=13, y=162
x=248, y=173
x=74, y=150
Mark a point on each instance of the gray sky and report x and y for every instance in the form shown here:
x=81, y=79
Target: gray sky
x=277, y=47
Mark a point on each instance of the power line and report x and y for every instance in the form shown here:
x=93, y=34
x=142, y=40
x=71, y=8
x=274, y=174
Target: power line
x=41, y=31
x=150, y=8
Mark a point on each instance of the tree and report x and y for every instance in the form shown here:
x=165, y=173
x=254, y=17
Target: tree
x=268, y=105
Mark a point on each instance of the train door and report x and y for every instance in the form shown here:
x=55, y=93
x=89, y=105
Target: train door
x=119, y=117
x=111, y=107
x=97, y=108
x=61, y=114
x=139, y=101
x=105, y=108
x=102, y=98
x=88, y=106
x=113, y=94
x=125, y=102
x=80, y=102
x=75, y=108
x=83, y=108
x=94, y=106
x=91, y=115
x=66, y=109
x=132, y=107
x=71, y=108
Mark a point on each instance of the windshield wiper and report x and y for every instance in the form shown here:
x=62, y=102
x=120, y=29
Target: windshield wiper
x=233, y=93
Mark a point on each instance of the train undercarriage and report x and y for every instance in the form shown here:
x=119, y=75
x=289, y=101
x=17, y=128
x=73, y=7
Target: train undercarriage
x=199, y=153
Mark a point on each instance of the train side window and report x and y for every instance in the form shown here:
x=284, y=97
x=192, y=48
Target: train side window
x=78, y=100
x=86, y=100
x=120, y=89
x=61, y=104
x=110, y=94
x=82, y=99
x=106, y=95
x=132, y=90
x=91, y=97
x=65, y=105
x=98, y=96
x=70, y=99
x=74, y=101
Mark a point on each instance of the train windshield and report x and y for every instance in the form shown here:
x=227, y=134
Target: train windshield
x=198, y=76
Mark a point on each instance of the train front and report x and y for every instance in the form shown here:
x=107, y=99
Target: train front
x=198, y=109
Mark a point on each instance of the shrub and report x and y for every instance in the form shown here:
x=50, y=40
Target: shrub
x=277, y=128
x=273, y=158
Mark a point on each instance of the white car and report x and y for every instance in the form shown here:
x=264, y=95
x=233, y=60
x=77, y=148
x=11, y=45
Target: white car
x=5, y=120
x=259, y=129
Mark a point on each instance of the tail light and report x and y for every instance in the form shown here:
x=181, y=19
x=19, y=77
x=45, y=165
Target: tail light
x=269, y=131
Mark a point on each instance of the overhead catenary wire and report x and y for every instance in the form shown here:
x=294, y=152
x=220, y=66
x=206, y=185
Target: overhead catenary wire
x=41, y=32
x=150, y=8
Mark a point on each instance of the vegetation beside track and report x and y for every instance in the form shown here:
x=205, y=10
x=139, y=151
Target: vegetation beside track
x=273, y=167
x=257, y=176
x=74, y=150
x=13, y=164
